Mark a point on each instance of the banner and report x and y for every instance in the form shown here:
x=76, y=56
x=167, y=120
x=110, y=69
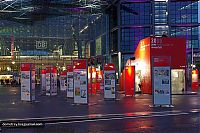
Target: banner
x=109, y=81
x=63, y=79
x=80, y=81
x=70, y=82
x=27, y=82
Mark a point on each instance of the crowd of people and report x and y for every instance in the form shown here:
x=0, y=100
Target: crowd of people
x=12, y=82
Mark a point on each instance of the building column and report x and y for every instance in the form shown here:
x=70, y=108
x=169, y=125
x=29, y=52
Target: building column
x=119, y=38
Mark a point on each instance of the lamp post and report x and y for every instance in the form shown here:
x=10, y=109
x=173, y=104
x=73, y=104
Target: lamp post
x=192, y=56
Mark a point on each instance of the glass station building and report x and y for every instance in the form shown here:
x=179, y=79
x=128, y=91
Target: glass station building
x=57, y=31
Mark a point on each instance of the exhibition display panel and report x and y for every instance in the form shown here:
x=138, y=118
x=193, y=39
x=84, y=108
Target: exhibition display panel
x=161, y=80
x=109, y=81
x=43, y=81
x=51, y=81
x=27, y=82
x=63, y=81
x=70, y=81
x=80, y=74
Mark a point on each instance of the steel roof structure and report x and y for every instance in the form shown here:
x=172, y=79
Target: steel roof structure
x=29, y=11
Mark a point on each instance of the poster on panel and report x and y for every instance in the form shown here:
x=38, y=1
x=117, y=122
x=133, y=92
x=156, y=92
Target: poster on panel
x=63, y=85
x=43, y=81
x=70, y=85
x=162, y=85
x=48, y=83
x=54, y=81
x=109, y=84
x=80, y=76
x=33, y=82
x=25, y=86
x=80, y=86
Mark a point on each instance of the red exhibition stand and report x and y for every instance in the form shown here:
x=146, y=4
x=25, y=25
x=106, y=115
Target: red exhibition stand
x=129, y=80
x=163, y=47
x=92, y=80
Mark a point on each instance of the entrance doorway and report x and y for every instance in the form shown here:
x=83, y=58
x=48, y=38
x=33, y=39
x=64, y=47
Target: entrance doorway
x=178, y=80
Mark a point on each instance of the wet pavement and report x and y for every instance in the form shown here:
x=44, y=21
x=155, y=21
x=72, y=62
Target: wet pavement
x=170, y=124
x=125, y=114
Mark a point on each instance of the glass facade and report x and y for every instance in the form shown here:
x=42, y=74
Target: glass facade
x=135, y=25
x=119, y=28
x=140, y=19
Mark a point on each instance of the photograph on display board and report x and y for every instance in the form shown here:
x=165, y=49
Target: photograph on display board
x=113, y=82
x=161, y=72
x=69, y=76
x=107, y=88
x=26, y=91
x=83, y=94
x=77, y=91
x=70, y=85
x=107, y=82
x=165, y=81
x=25, y=76
x=77, y=76
x=109, y=75
x=48, y=91
x=113, y=90
x=82, y=82
x=159, y=91
x=83, y=73
x=70, y=90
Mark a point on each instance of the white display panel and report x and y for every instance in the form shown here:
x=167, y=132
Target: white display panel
x=43, y=83
x=161, y=86
x=27, y=82
x=70, y=85
x=25, y=86
x=53, y=84
x=33, y=85
x=109, y=84
x=48, y=84
x=63, y=85
x=80, y=86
